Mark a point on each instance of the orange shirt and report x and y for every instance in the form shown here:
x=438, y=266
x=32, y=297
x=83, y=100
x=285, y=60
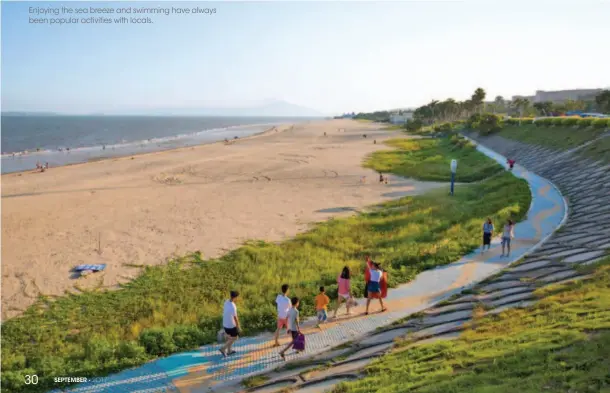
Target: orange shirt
x=322, y=301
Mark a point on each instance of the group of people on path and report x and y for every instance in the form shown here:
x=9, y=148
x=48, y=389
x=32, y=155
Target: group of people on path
x=376, y=287
x=508, y=233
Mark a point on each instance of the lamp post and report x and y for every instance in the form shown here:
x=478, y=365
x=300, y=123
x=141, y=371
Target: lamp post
x=453, y=169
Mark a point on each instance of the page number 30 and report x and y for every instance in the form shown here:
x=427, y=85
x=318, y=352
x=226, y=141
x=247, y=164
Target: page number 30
x=31, y=379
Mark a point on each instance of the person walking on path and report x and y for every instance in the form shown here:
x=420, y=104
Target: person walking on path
x=507, y=235
x=511, y=164
x=293, y=325
x=488, y=230
x=344, y=290
x=374, y=285
x=230, y=323
x=283, y=306
x=322, y=302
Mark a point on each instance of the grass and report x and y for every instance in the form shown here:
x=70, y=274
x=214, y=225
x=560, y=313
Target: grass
x=598, y=151
x=555, y=137
x=429, y=159
x=177, y=306
x=561, y=344
x=254, y=381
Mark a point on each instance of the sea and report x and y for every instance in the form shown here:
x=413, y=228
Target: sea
x=61, y=140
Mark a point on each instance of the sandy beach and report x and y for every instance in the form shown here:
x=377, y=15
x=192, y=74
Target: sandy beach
x=141, y=210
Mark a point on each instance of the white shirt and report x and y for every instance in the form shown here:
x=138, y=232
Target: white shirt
x=508, y=232
x=283, y=306
x=375, y=275
x=228, y=313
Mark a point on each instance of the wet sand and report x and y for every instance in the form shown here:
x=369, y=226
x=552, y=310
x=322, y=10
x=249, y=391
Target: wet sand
x=133, y=211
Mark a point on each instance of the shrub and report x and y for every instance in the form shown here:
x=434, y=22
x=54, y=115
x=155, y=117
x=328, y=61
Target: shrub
x=187, y=337
x=489, y=123
x=158, y=341
x=99, y=350
x=586, y=122
x=527, y=120
x=130, y=350
x=557, y=121
x=414, y=125
x=473, y=120
x=446, y=127
x=511, y=121
x=601, y=123
x=569, y=121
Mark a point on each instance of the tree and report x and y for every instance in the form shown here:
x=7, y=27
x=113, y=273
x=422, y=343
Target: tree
x=499, y=104
x=603, y=101
x=478, y=98
x=574, y=105
x=521, y=105
x=543, y=108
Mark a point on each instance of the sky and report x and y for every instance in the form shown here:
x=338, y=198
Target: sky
x=333, y=57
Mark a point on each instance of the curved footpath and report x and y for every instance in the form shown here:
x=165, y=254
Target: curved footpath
x=360, y=338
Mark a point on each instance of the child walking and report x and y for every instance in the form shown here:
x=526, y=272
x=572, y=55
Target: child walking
x=283, y=306
x=322, y=302
x=293, y=325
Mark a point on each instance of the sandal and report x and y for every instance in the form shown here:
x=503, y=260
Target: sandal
x=384, y=309
x=282, y=356
x=232, y=352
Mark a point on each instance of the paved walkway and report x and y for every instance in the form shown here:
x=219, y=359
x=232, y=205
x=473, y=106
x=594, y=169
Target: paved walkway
x=205, y=370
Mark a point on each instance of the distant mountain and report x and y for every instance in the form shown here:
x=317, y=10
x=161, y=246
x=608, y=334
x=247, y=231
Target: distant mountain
x=274, y=108
x=30, y=114
x=270, y=108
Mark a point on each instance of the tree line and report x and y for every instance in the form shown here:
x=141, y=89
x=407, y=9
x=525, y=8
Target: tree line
x=451, y=110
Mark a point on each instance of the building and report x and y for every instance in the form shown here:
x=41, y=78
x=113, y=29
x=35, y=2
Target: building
x=560, y=96
x=400, y=117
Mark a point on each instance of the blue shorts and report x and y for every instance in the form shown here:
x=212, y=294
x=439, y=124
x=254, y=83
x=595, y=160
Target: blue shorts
x=506, y=241
x=322, y=316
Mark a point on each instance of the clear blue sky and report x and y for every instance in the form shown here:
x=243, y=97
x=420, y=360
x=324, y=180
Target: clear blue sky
x=329, y=56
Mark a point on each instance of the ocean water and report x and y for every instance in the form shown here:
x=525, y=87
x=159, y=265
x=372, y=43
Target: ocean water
x=62, y=140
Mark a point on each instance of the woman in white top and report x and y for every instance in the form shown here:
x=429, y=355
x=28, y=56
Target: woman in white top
x=374, y=285
x=507, y=235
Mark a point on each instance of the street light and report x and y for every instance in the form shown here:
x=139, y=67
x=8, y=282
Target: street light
x=453, y=169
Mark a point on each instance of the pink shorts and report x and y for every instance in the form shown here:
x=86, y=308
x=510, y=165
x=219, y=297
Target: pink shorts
x=344, y=295
x=282, y=322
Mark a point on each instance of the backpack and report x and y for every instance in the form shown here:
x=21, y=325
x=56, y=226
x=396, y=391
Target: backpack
x=299, y=343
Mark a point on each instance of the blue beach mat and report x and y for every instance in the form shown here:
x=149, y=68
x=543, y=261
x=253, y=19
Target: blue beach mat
x=95, y=268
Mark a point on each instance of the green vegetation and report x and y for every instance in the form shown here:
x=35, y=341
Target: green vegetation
x=429, y=159
x=555, y=137
x=177, y=306
x=598, y=150
x=254, y=381
x=561, y=344
x=380, y=116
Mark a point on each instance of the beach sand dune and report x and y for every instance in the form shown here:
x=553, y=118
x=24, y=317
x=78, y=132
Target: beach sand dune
x=140, y=210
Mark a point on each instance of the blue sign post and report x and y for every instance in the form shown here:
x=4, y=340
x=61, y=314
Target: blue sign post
x=453, y=169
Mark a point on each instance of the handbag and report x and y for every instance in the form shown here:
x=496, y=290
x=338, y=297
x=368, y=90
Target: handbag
x=299, y=342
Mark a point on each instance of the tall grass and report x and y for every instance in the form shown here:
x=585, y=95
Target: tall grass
x=177, y=306
x=429, y=159
x=561, y=344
